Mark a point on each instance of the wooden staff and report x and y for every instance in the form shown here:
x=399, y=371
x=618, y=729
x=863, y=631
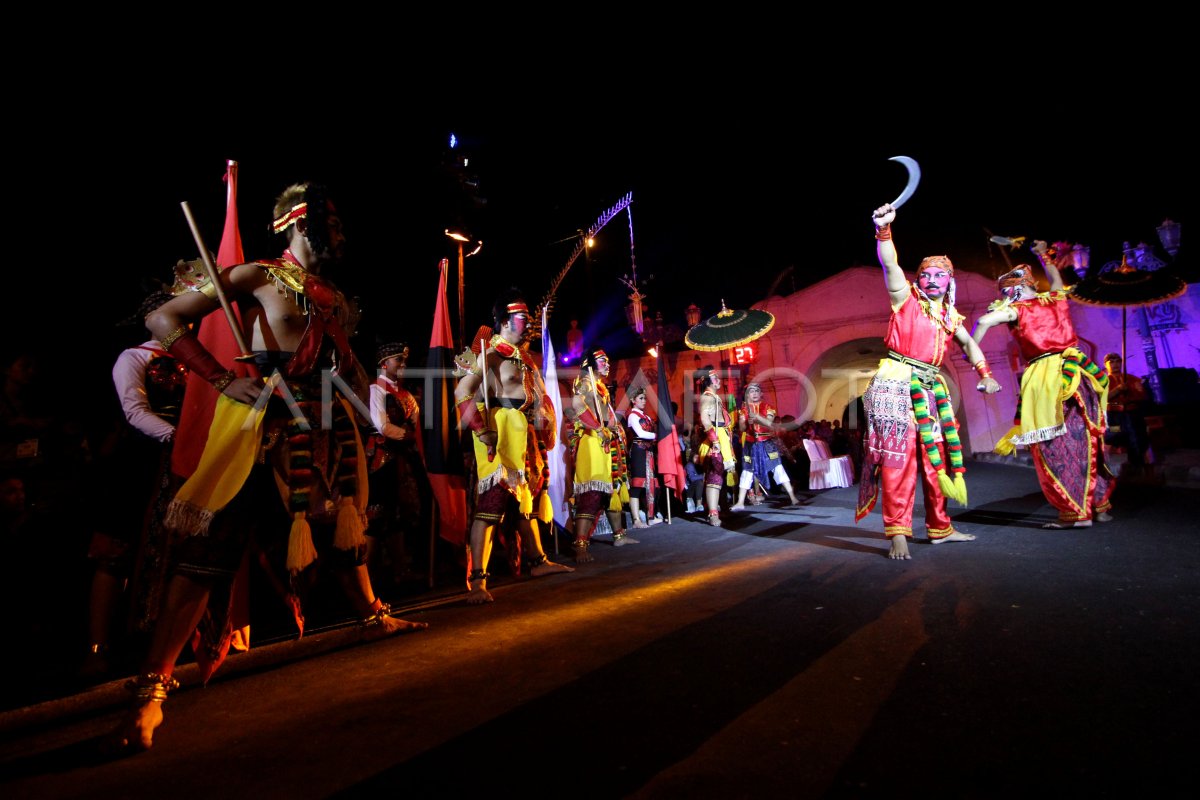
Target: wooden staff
x=483, y=374
x=211, y=269
x=596, y=396
x=487, y=407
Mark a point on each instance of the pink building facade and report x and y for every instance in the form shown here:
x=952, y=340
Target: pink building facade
x=828, y=339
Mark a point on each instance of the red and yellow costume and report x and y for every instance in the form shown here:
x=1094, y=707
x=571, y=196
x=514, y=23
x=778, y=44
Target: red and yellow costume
x=525, y=430
x=911, y=427
x=319, y=473
x=306, y=453
x=717, y=456
x=597, y=444
x=1060, y=414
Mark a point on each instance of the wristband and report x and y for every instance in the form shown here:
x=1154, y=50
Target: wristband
x=222, y=381
x=884, y=233
x=985, y=372
x=471, y=417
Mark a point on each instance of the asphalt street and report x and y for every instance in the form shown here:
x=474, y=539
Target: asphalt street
x=782, y=656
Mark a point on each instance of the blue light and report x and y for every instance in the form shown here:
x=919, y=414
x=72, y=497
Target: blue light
x=453, y=141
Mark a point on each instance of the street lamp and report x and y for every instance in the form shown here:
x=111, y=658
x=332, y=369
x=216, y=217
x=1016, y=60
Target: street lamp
x=461, y=239
x=1081, y=256
x=1168, y=234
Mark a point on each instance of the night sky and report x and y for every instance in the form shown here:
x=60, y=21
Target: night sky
x=727, y=195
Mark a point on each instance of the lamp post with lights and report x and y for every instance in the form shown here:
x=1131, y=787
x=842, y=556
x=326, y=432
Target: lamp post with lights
x=461, y=239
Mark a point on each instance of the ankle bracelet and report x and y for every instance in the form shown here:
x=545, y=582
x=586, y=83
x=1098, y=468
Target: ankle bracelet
x=151, y=686
x=376, y=618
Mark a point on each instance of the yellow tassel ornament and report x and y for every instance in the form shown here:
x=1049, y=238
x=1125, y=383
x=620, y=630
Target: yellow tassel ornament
x=301, y=550
x=350, y=527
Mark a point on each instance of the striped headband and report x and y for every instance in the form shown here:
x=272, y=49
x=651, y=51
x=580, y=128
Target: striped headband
x=299, y=211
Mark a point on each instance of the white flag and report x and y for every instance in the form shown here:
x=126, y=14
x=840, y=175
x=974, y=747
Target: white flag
x=560, y=484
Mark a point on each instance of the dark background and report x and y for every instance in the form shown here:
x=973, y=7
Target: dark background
x=732, y=190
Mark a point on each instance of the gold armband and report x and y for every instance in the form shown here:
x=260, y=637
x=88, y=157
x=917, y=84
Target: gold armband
x=174, y=336
x=222, y=381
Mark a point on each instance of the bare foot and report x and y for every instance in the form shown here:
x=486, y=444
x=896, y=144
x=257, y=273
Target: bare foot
x=655, y=521
x=624, y=540
x=478, y=594
x=548, y=567
x=1104, y=516
x=714, y=520
x=1061, y=526
x=957, y=536
x=582, y=556
x=136, y=731
x=389, y=626
x=738, y=507
x=640, y=524
x=899, y=550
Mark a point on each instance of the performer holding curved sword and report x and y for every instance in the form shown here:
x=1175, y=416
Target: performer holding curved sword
x=911, y=427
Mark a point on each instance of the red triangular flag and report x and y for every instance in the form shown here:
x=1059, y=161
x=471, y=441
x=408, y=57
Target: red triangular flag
x=443, y=451
x=195, y=415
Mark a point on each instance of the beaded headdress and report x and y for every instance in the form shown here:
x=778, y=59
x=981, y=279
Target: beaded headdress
x=386, y=351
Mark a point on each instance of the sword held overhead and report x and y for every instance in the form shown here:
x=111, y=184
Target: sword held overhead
x=914, y=178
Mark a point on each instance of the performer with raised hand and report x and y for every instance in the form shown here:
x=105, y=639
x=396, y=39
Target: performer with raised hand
x=911, y=427
x=1060, y=414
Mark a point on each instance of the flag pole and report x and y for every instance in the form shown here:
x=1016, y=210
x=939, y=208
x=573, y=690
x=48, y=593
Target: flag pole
x=211, y=269
x=658, y=366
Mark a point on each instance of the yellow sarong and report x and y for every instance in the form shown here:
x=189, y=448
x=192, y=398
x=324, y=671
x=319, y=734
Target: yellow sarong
x=1044, y=388
x=508, y=464
x=229, y=454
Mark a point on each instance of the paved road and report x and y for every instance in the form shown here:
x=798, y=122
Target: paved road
x=783, y=656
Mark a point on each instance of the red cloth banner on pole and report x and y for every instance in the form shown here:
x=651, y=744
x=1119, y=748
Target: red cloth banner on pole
x=443, y=448
x=200, y=398
x=670, y=456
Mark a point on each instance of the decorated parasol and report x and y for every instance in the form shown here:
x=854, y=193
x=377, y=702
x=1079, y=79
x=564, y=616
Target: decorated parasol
x=728, y=329
x=1124, y=286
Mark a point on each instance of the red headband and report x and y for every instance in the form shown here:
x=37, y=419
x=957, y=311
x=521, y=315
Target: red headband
x=518, y=307
x=299, y=211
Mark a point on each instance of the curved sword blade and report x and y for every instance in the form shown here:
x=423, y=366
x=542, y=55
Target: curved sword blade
x=914, y=177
